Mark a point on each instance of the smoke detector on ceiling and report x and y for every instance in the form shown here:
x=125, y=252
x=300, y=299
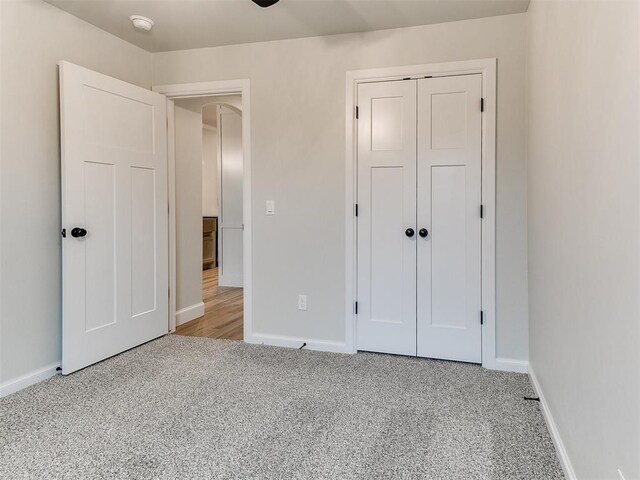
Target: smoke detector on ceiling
x=141, y=23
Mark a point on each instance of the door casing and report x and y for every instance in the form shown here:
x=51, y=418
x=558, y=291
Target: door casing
x=487, y=68
x=213, y=89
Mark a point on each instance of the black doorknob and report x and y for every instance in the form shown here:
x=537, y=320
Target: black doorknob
x=78, y=232
x=423, y=232
x=409, y=232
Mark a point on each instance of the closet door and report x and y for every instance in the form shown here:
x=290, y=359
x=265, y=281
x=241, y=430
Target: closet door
x=386, y=217
x=449, y=196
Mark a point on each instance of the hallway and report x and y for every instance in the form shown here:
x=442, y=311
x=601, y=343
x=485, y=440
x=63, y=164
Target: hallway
x=223, y=311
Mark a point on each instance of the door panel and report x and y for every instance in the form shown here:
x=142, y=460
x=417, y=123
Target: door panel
x=114, y=120
x=448, y=120
x=114, y=184
x=448, y=252
x=99, y=244
x=449, y=197
x=386, y=208
x=387, y=272
x=143, y=258
x=387, y=123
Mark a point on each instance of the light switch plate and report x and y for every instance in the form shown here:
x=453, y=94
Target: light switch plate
x=271, y=207
x=302, y=302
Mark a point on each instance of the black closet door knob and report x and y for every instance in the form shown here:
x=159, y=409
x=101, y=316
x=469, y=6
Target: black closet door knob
x=409, y=232
x=423, y=232
x=78, y=232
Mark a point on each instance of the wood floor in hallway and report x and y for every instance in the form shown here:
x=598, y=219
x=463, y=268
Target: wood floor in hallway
x=223, y=311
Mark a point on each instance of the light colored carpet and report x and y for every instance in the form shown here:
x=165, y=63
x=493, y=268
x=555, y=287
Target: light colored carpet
x=183, y=407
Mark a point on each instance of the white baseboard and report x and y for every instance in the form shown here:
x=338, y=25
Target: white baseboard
x=295, y=342
x=569, y=473
x=29, y=379
x=511, y=365
x=190, y=313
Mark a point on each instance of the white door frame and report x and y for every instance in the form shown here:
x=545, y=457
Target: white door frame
x=213, y=89
x=487, y=68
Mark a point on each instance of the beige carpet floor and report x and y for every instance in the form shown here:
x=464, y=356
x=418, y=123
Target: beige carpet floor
x=183, y=407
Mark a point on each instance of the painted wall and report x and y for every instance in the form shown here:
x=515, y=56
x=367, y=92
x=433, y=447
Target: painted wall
x=209, y=172
x=2, y=358
x=35, y=36
x=298, y=142
x=188, y=130
x=583, y=184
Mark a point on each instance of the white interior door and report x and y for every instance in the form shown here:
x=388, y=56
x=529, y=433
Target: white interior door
x=386, y=209
x=114, y=212
x=449, y=197
x=230, y=231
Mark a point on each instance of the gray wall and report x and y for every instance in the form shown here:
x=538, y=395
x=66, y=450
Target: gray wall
x=188, y=128
x=583, y=169
x=298, y=137
x=209, y=171
x=35, y=36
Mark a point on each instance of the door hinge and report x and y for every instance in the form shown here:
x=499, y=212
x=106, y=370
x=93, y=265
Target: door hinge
x=357, y=112
x=356, y=308
x=481, y=317
x=356, y=209
x=481, y=211
x=482, y=104
x=64, y=233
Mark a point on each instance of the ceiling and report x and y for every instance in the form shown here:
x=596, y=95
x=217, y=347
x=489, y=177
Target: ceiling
x=186, y=24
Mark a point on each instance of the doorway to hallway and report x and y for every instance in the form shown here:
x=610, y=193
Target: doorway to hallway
x=209, y=216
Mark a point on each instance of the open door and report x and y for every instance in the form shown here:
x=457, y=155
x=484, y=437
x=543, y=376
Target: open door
x=230, y=178
x=114, y=216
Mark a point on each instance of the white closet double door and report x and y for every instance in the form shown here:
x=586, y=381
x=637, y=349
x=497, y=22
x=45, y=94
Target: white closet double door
x=419, y=224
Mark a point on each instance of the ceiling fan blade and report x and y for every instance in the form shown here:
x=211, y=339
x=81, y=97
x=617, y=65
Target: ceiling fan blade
x=265, y=3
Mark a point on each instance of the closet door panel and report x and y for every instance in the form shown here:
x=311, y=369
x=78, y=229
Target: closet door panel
x=387, y=208
x=448, y=207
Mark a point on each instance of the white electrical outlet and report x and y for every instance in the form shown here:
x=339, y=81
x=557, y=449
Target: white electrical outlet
x=271, y=207
x=302, y=302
